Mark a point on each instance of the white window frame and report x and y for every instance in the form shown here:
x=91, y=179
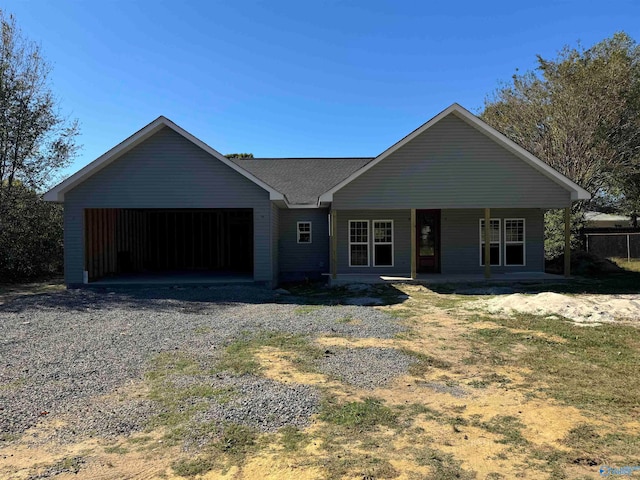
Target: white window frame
x=373, y=237
x=360, y=243
x=523, y=242
x=499, y=242
x=304, y=222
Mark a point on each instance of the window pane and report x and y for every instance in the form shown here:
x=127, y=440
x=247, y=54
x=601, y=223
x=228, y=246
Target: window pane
x=494, y=252
x=514, y=254
x=359, y=255
x=494, y=226
x=514, y=230
x=304, y=227
x=382, y=232
x=359, y=232
x=384, y=255
x=305, y=237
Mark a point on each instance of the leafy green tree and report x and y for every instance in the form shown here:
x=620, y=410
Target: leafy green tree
x=30, y=237
x=36, y=141
x=580, y=113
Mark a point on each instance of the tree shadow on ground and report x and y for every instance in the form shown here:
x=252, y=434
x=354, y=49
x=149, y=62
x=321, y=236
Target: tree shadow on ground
x=184, y=298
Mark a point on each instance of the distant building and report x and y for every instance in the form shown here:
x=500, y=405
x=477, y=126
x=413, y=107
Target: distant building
x=606, y=220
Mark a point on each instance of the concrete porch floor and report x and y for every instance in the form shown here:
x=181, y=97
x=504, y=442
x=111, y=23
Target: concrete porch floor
x=175, y=278
x=425, y=279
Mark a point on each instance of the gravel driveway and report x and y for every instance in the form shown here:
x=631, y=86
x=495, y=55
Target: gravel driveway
x=60, y=351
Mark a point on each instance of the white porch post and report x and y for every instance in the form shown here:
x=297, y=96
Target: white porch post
x=413, y=243
x=487, y=243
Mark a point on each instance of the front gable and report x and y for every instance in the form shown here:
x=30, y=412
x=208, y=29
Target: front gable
x=166, y=170
x=142, y=138
x=455, y=161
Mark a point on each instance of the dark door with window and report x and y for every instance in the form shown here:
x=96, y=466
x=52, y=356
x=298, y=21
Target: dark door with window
x=428, y=241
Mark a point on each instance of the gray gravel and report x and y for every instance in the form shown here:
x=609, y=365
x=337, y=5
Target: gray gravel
x=365, y=367
x=59, y=351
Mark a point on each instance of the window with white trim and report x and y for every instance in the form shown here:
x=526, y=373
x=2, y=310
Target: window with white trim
x=304, y=232
x=494, y=241
x=358, y=243
x=383, y=243
x=514, y=248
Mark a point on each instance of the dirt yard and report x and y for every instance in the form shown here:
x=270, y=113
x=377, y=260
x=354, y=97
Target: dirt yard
x=428, y=386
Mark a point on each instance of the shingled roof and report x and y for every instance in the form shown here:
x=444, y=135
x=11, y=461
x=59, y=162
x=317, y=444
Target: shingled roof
x=301, y=180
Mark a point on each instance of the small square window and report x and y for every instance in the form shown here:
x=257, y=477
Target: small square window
x=304, y=232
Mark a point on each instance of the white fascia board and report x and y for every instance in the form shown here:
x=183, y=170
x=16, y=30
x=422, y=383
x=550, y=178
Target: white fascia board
x=56, y=194
x=577, y=192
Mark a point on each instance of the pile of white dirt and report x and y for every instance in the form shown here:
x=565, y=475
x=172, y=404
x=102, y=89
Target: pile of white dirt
x=582, y=309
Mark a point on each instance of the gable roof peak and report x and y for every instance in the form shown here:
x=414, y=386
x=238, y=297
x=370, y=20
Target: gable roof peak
x=56, y=194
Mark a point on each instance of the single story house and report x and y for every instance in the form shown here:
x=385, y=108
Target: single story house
x=164, y=201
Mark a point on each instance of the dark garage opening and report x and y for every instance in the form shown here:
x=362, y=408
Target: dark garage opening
x=138, y=241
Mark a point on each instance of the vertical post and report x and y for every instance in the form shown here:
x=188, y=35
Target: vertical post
x=628, y=249
x=414, y=234
x=567, y=241
x=334, y=244
x=487, y=243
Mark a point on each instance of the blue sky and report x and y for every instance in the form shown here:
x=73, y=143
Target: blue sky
x=294, y=78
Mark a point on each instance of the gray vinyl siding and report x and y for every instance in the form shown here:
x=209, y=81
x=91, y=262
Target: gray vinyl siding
x=300, y=260
x=167, y=171
x=275, y=235
x=401, y=241
x=460, y=240
x=451, y=165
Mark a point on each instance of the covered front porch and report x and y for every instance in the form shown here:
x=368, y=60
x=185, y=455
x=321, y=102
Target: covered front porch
x=440, y=245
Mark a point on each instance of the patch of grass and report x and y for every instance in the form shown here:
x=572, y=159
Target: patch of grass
x=423, y=362
x=140, y=440
x=8, y=437
x=202, y=330
x=360, y=416
x=292, y=439
x=486, y=380
x=239, y=356
x=237, y=440
x=509, y=427
x=585, y=438
x=347, y=319
x=444, y=465
x=173, y=363
x=355, y=465
x=189, y=468
x=633, y=265
x=119, y=449
x=593, y=369
x=13, y=385
x=69, y=464
x=180, y=403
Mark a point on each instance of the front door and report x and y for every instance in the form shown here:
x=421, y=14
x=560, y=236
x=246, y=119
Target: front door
x=428, y=240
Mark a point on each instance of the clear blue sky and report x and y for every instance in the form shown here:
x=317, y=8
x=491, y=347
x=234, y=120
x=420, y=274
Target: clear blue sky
x=294, y=78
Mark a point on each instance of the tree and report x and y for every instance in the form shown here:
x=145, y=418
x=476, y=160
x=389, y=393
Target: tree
x=31, y=237
x=239, y=155
x=580, y=113
x=36, y=141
